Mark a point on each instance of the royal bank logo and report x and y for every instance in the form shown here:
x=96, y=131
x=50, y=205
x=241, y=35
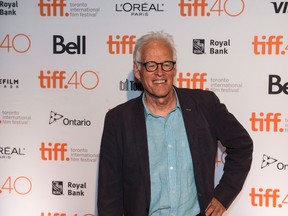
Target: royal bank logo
x=71, y=188
x=213, y=47
x=198, y=46
x=57, y=117
x=57, y=188
x=8, y=8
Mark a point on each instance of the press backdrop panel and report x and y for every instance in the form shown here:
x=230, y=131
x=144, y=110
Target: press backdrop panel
x=65, y=63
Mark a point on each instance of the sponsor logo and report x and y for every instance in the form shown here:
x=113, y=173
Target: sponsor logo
x=52, y=8
x=267, y=161
x=54, y=117
x=7, y=152
x=78, y=47
x=9, y=83
x=56, y=79
x=57, y=187
x=200, y=81
x=216, y=47
x=137, y=9
x=19, y=43
x=269, y=45
x=280, y=7
x=269, y=122
x=14, y=118
x=61, y=152
x=205, y=8
x=275, y=86
x=121, y=44
x=59, y=8
x=72, y=189
x=21, y=185
x=8, y=8
x=267, y=198
x=130, y=85
x=191, y=80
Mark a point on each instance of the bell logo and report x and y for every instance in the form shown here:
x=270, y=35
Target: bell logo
x=56, y=8
x=275, y=87
x=192, y=81
x=78, y=47
x=266, y=122
x=121, y=45
x=54, y=152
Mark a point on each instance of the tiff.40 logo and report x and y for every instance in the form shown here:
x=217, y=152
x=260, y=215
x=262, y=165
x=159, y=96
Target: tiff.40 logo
x=87, y=80
x=269, y=45
x=194, y=8
x=267, y=198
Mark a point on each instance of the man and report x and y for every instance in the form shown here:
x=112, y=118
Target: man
x=158, y=151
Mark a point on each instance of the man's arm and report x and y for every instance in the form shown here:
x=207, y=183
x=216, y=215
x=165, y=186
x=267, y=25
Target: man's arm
x=239, y=148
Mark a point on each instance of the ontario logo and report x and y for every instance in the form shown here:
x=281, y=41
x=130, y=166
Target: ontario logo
x=56, y=117
x=267, y=161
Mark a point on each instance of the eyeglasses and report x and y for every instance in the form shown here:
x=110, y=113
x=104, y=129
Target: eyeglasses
x=152, y=66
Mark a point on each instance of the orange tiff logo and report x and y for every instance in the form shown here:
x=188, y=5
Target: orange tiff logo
x=194, y=8
x=266, y=122
x=269, y=45
x=52, y=8
x=267, y=198
x=121, y=45
x=87, y=80
x=54, y=151
x=191, y=80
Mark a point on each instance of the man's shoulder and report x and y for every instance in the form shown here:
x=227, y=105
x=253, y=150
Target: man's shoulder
x=127, y=106
x=197, y=94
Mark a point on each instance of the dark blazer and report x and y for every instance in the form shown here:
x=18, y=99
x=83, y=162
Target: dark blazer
x=124, y=179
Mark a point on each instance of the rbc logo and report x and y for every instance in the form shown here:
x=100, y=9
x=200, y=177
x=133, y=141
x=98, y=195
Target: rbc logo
x=78, y=47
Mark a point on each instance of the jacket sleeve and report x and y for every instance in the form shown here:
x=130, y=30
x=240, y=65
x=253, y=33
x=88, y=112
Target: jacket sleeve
x=239, y=148
x=110, y=194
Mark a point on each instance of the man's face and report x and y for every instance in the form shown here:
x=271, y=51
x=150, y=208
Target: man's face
x=157, y=84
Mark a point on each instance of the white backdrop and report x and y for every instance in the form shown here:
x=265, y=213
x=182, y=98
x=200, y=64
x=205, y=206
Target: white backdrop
x=65, y=63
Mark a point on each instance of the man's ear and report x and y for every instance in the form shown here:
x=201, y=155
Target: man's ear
x=136, y=72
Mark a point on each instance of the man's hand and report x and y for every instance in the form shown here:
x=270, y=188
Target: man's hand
x=215, y=208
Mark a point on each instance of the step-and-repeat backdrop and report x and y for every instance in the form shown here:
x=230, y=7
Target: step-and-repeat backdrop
x=65, y=63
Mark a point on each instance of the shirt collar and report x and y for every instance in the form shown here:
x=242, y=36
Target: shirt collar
x=147, y=111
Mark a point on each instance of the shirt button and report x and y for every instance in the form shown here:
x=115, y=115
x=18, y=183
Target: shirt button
x=172, y=214
x=170, y=146
x=171, y=167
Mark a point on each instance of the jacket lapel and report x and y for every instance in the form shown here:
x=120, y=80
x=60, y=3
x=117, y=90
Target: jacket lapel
x=142, y=146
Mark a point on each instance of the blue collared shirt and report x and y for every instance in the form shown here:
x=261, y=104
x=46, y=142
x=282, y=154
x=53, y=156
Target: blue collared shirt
x=173, y=189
